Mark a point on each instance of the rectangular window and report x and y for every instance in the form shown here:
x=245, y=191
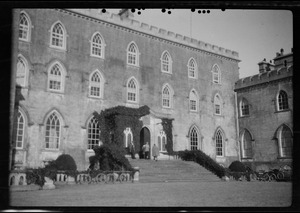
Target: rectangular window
x=95, y=91
x=131, y=96
x=193, y=105
x=217, y=109
x=54, y=85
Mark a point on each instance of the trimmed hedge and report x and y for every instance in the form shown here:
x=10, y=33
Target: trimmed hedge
x=65, y=162
x=204, y=160
x=237, y=166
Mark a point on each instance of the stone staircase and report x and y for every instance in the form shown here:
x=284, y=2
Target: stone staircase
x=172, y=171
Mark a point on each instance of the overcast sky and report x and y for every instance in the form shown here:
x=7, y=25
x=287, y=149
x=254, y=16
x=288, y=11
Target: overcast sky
x=254, y=34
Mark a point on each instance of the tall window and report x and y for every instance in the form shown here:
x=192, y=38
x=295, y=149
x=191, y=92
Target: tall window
x=132, y=91
x=192, y=68
x=56, y=78
x=217, y=104
x=285, y=140
x=24, y=27
x=162, y=141
x=53, y=131
x=58, y=36
x=216, y=74
x=132, y=54
x=93, y=133
x=193, y=101
x=282, y=101
x=219, y=143
x=246, y=144
x=194, y=138
x=97, y=47
x=19, y=130
x=166, y=62
x=127, y=137
x=244, y=107
x=95, y=85
x=167, y=97
x=22, y=70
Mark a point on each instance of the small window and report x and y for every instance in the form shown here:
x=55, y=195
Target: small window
x=217, y=105
x=285, y=140
x=53, y=131
x=282, y=101
x=246, y=145
x=132, y=55
x=97, y=47
x=19, y=130
x=192, y=68
x=167, y=97
x=24, y=27
x=162, y=141
x=93, y=133
x=193, y=101
x=132, y=91
x=58, y=36
x=95, y=85
x=166, y=62
x=244, y=107
x=216, y=74
x=56, y=78
x=22, y=72
x=127, y=137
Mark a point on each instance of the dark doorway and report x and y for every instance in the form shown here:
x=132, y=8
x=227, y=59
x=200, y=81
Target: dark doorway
x=144, y=137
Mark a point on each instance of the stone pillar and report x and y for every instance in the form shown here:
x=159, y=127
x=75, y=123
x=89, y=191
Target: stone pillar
x=136, y=174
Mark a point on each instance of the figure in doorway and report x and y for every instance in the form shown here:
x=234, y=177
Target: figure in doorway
x=146, y=149
x=155, y=152
x=132, y=150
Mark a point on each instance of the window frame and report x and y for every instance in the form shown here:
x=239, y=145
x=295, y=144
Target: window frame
x=99, y=84
x=216, y=76
x=134, y=55
x=127, y=131
x=166, y=62
x=219, y=136
x=280, y=142
x=194, y=68
x=244, y=107
x=193, y=97
x=54, y=78
x=58, y=143
x=282, y=99
x=167, y=97
x=162, y=137
x=17, y=129
x=194, y=141
x=97, y=46
x=29, y=26
x=26, y=70
x=94, y=132
x=134, y=91
x=218, y=104
x=246, y=154
x=61, y=37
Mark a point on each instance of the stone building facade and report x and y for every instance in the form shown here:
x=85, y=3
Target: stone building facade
x=265, y=114
x=72, y=62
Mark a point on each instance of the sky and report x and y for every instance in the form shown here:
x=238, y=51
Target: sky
x=254, y=34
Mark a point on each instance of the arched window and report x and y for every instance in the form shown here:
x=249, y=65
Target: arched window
x=132, y=54
x=95, y=85
x=58, y=36
x=194, y=138
x=24, y=27
x=97, y=47
x=19, y=129
x=219, y=143
x=56, y=78
x=22, y=71
x=193, y=101
x=217, y=104
x=53, y=131
x=162, y=141
x=216, y=74
x=166, y=62
x=132, y=91
x=192, y=68
x=167, y=97
x=246, y=142
x=285, y=140
x=93, y=133
x=127, y=137
x=282, y=101
x=244, y=107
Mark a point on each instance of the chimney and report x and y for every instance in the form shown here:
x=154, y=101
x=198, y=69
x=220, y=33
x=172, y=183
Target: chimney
x=263, y=66
x=125, y=13
x=281, y=51
x=277, y=54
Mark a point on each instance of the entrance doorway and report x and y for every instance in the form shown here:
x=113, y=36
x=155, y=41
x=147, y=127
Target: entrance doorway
x=144, y=137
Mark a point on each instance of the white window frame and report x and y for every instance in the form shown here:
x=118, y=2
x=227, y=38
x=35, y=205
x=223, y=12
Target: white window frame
x=62, y=37
x=135, y=55
x=216, y=74
x=60, y=79
x=217, y=104
x=244, y=154
x=162, y=137
x=279, y=137
x=128, y=132
x=282, y=99
x=193, y=68
x=26, y=70
x=244, y=105
x=93, y=139
x=193, y=97
x=134, y=91
x=59, y=137
x=217, y=142
x=168, y=97
x=194, y=138
x=99, y=84
x=18, y=130
x=26, y=28
x=166, y=62
x=95, y=45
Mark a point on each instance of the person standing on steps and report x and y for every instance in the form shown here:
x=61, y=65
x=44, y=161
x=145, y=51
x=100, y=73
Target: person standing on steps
x=132, y=150
x=155, y=152
x=146, y=149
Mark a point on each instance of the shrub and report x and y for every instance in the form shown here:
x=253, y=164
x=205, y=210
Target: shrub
x=204, y=160
x=65, y=162
x=111, y=157
x=237, y=166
